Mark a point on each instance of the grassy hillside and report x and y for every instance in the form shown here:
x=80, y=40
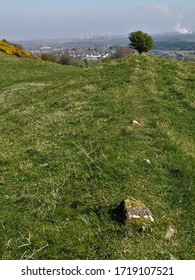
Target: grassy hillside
x=70, y=155
x=10, y=49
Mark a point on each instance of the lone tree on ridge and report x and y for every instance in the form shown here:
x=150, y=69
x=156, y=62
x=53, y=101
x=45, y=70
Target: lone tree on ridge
x=140, y=41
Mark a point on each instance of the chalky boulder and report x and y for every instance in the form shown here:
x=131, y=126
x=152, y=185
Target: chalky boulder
x=134, y=211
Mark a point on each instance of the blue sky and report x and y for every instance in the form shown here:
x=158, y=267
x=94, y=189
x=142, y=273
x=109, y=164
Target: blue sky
x=42, y=19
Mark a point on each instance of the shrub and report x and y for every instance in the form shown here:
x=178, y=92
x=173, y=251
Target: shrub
x=49, y=57
x=66, y=59
x=140, y=41
x=122, y=52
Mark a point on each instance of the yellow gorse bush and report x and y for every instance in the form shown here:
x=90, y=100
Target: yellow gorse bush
x=12, y=50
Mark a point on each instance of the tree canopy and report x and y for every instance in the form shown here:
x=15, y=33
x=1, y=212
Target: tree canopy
x=140, y=41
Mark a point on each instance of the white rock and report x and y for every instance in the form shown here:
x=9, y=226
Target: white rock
x=147, y=161
x=169, y=234
x=172, y=257
x=133, y=209
x=136, y=122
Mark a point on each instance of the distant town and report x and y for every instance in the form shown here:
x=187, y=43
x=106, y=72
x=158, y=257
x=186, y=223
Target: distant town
x=168, y=45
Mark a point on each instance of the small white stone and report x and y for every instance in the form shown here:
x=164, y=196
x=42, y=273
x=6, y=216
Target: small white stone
x=169, y=234
x=147, y=161
x=172, y=257
x=136, y=122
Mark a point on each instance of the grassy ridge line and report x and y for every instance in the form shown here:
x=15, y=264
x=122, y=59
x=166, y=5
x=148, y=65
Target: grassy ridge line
x=71, y=155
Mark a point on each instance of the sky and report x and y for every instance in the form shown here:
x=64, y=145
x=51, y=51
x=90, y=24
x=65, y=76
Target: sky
x=53, y=19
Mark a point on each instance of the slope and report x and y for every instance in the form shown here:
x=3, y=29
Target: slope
x=10, y=49
x=71, y=155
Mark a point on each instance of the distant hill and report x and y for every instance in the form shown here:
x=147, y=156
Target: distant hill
x=76, y=142
x=10, y=49
x=174, y=41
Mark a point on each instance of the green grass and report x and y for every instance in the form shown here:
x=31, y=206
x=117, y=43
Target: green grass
x=70, y=155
